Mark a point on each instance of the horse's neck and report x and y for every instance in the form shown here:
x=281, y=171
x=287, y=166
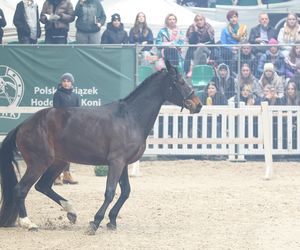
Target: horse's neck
x=145, y=107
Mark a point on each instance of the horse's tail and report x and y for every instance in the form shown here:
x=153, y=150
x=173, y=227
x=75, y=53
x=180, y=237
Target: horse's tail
x=9, y=209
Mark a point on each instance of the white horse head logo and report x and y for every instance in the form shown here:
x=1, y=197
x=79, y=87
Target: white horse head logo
x=11, y=90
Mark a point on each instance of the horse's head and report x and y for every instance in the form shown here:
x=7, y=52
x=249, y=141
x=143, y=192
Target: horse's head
x=179, y=92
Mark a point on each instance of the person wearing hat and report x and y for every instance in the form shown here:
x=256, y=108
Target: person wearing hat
x=64, y=97
x=90, y=18
x=115, y=33
x=272, y=55
x=270, y=77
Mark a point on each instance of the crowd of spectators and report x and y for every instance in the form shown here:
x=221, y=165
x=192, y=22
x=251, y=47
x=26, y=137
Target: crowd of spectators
x=247, y=62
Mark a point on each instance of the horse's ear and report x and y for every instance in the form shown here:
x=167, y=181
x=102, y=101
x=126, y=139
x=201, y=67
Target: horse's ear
x=169, y=66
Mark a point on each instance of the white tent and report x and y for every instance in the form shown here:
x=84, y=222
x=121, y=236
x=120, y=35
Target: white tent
x=155, y=10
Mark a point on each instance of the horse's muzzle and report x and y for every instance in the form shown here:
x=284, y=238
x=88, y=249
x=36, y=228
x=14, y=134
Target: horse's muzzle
x=192, y=106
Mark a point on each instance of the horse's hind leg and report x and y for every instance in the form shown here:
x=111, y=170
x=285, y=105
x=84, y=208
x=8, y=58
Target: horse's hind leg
x=22, y=188
x=44, y=185
x=125, y=191
x=114, y=173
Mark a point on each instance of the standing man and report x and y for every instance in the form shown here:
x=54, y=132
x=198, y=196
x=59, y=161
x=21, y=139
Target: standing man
x=2, y=24
x=115, y=33
x=64, y=97
x=57, y=15
x=90, y=18
x=26, y=20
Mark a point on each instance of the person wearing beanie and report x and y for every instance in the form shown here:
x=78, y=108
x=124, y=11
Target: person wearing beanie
x=64, y=97
x=270, y=77
x=90, y=18
x=272, y=55
x=115, y=33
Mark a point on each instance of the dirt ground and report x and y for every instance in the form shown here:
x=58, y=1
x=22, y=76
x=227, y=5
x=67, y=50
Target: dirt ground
x=174, y=205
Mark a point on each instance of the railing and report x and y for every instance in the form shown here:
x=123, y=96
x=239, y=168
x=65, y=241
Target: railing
x=213, y=131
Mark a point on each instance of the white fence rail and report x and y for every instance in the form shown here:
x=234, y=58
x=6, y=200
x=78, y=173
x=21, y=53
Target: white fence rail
x=220, y=130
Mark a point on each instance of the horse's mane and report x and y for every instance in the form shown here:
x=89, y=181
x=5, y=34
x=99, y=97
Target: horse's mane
x=141, y=86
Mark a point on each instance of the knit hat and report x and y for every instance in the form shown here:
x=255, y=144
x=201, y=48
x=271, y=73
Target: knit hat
x=269, y=67
x=115, y=17
x=231, y=13
x=67, y=76
x=273, y=41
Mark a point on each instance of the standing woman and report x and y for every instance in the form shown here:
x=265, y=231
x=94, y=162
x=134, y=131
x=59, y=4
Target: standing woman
x=140, y=33
x=171, y=36
x=290, y=33
x=2, y=24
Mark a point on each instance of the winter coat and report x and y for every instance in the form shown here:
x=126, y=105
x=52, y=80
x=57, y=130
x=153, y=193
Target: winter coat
x=2, y=24
x=255, y=33
x=89, y=13
x=62, y=8
x=21, y=24
x=276, y=81
x=250, y=81
x=64, y=98
x=114, y=35
x=217, y=99
x=139, y=38
x=164, y=36
x=225, y=85
x=278, y=62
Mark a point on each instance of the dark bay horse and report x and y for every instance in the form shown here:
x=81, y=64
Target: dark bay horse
x=114, y=134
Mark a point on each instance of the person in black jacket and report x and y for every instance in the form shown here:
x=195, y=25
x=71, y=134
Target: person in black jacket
x=65, y=97
x=2, y=24
x=90, y=18
x=115, y=33
x=26, y=20
x=262, y=33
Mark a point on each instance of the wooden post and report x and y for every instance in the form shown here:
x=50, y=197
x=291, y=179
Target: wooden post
x=267, y=140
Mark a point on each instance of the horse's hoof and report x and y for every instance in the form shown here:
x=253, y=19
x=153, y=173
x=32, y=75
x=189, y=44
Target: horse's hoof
x=111, y=226
x=72, y=217
x=33, y=229
x=91, y=229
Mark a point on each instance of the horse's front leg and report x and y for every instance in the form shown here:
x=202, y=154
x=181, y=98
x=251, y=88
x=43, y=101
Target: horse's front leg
x=113, y=178
x=125, y=191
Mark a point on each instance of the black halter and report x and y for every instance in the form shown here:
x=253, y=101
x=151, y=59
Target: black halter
x=184, y=96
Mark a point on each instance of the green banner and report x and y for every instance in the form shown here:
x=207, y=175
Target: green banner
x=29, y=75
